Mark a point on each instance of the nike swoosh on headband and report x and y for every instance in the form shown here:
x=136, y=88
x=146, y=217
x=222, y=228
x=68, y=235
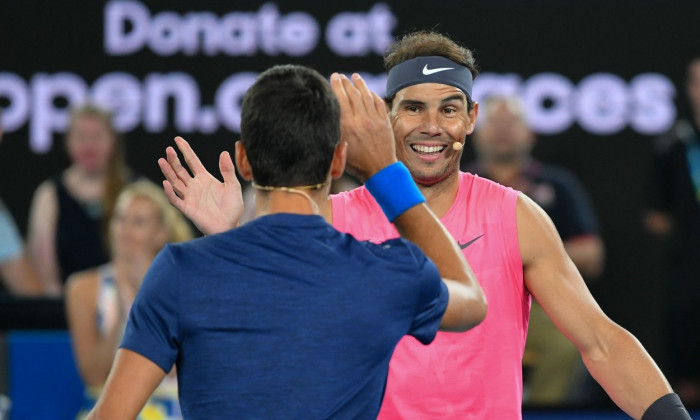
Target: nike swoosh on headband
x=428, y=72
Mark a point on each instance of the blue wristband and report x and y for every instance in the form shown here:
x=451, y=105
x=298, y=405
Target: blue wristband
x=394, y=190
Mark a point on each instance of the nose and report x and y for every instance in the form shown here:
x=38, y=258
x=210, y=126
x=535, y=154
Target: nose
x=124, y=230
x=431, y=124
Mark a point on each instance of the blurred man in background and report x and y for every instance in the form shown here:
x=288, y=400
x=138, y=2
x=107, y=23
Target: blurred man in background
x=503, y=143
x=674, y=212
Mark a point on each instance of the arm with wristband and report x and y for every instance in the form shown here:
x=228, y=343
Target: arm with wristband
x=371, y=155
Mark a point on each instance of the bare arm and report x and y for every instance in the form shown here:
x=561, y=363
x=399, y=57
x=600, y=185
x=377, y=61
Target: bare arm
x=613, y=356
x=42, y=238
x=93, y=352
x=365, y=126
x=131, y=382
x=20, y=277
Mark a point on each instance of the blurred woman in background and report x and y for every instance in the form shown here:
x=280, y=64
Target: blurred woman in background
x=69, y=212
x=98, y=301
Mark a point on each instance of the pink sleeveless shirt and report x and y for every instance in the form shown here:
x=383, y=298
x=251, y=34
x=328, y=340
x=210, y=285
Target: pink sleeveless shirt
x=471, y=375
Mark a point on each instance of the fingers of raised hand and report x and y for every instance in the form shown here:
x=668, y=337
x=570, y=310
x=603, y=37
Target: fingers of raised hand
x=379, y=105
x=228, y=171
x=172, y=196
x=176, y=166
x=339, y=89
x=171, y=177
x=174, y=172
x=358, y=95
x=366, y=95
x=191, y=158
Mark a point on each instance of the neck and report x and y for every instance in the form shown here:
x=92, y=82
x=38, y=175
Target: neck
x=285, y=201
x=79, y=174
x=440, y=197
x=132, y=268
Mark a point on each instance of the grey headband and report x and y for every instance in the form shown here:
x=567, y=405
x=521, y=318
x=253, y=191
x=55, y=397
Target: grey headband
x=429, y=69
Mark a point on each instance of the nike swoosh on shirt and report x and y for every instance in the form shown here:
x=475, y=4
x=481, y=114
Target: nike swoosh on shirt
x=428, y=72
x=470, y=242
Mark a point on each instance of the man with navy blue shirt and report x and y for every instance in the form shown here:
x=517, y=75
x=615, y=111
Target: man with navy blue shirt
x=285, y=317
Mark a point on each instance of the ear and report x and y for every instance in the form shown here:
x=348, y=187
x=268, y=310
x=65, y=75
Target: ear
x=339, y=159
x=242, y=163
x=472, y=117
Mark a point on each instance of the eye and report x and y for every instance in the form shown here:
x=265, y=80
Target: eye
x=412, y=108
x=450, y=111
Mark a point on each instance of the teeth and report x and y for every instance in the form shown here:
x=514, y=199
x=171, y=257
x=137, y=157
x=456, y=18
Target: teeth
x=427, y=149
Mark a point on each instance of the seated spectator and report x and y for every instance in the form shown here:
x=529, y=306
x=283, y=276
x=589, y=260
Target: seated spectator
x=69, y=212
x=18, y=277
x=98, y=301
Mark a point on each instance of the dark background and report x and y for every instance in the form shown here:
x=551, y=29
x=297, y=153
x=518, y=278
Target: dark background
x=574, y=39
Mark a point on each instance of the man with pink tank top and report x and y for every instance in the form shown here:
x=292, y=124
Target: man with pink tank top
x=509, y=241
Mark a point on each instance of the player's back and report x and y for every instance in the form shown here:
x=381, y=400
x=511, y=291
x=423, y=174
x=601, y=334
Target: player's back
x=285, y=317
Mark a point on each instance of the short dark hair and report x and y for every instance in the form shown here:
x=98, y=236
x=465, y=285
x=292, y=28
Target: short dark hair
x=427, y=43
x=290, y=126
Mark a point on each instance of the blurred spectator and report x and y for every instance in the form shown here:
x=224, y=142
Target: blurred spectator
x=98, y=301
x=674, y=201
x=17, y=275
x=69, y=212
x=503, y=143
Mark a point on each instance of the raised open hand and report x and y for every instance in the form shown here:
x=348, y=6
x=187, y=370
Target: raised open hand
x=364, y=125
x=213, y=206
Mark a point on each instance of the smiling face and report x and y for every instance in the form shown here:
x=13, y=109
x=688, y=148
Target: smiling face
x=427, y=119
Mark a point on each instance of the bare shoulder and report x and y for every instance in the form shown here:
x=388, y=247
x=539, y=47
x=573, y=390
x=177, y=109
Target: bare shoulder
x=82, y=287
x=537, y=236
x=45, y=197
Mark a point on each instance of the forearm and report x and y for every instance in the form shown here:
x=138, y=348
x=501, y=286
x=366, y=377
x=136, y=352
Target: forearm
x=97, y=362
x=41, y=243
x=47, y=270
x=626, y=372
x=20, y=277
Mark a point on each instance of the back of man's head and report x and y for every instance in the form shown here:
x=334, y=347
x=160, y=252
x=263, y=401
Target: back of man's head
x=290, y=126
